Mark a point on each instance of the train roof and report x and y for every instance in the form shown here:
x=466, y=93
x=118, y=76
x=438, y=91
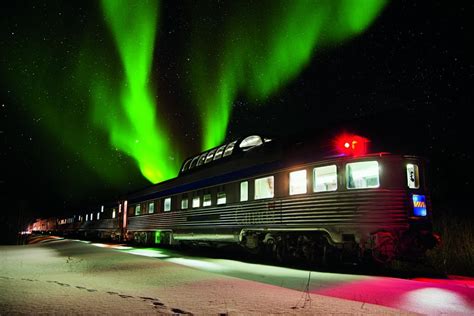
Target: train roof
x=245, y=157
x=222, y=153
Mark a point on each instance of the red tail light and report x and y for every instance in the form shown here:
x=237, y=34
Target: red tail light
x=351, y=145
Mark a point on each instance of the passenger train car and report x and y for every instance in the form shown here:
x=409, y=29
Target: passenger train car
x=298, y=201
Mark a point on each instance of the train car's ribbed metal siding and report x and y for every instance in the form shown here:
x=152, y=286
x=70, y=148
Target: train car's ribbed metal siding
x=361, y=210
x=103, y=224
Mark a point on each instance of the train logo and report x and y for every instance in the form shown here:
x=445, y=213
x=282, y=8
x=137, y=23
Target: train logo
x=419, y=205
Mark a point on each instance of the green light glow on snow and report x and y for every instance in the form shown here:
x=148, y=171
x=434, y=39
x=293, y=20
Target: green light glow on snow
x=136, y=128
x=262, y=47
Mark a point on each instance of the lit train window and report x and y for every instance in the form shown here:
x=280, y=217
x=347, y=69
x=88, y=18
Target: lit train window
x=221, y=198
x=413, y=176
x=244, y=191
x=298, y=182
x=113, y=213
x=167, y=205
x=202, y=159
x=184, y=203
x=264, y=188
x=362, y=175
x=219, y=152
x=151, y=207
x=87, y=217
x=196, y=201
x=325, y=179
x=92, y=216
x=210, y=155
x=137, y=210
x=206, y=201
x=98, y=215
x=229, y=149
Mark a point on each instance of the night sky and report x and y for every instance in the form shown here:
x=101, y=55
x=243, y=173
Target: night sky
x=93, y=107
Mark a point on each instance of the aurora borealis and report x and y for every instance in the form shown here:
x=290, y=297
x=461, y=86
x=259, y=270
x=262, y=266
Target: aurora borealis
x=264, y=46
x=138, y=129
x=101, y=98
x=253, y=59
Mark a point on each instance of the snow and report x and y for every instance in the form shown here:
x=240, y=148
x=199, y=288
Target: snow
x=73, y=277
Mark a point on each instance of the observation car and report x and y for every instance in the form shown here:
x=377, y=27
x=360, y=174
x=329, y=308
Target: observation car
x=310, y=202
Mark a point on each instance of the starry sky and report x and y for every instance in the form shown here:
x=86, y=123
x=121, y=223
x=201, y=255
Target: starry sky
x=72, y=135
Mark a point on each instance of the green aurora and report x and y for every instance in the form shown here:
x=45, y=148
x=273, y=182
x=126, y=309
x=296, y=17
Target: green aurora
x=93, y=96
x=136, y=130
x=260, y=47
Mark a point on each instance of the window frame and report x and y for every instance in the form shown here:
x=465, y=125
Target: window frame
x=221, y=195
x=272, y=191
x=219, y=152
x=246, y=182
x=314, y=178
x=207, y=203
x=210, y=156
x=290, y=181
x=198, y=199
x=362, y=188
x=417, y=180
x=165, y=200
x=229, y=149
x=152, y=203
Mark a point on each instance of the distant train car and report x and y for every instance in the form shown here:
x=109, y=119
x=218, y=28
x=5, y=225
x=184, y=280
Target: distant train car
x=313, y=203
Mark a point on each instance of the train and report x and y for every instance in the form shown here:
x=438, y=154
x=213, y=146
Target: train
x=334, y=200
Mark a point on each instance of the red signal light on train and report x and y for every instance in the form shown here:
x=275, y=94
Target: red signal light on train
x=351, y=145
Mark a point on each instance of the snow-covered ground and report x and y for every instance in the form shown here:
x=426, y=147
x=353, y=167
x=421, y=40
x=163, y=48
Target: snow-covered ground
x=62, y=276
x=423, y=295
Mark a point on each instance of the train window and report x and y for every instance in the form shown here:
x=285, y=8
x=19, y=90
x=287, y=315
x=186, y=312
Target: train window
x=298, y=182
x=264, y=188
x=229, y=149
x=167, y=204
x=413, y=176
x=184, y=203
x=325, y=179
x=193, y=162
x=87, y=217
x=137, y=210
x=251, y=142
x=151, y=207
x=206, y=200
x=92, y=216
x=186, y=165
x=221, y=198
x=244, y=191
x=98, y=215
x=210, y=155
x=113, y=213
x=202, y=159
x=196, y=201
x=361, y=175
x=219, y=152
